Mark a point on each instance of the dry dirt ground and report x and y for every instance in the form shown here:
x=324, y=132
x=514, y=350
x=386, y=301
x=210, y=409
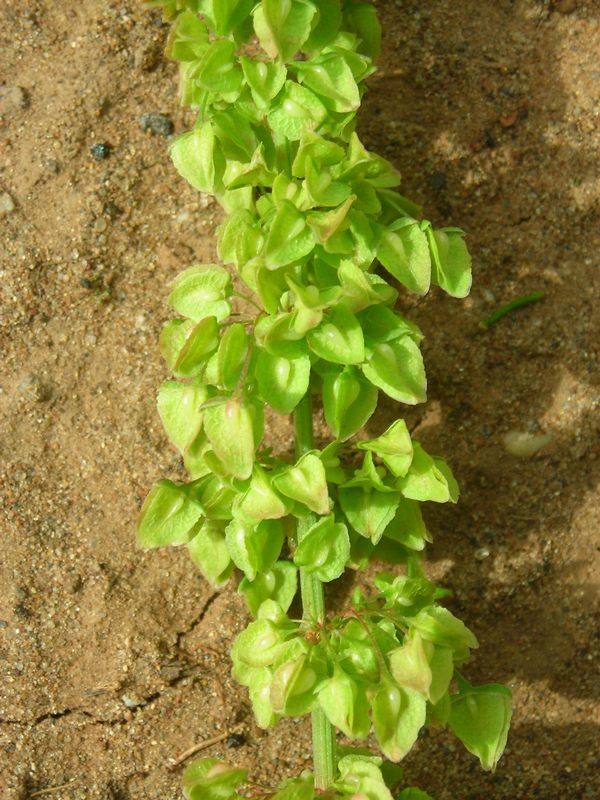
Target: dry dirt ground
x=112, y=661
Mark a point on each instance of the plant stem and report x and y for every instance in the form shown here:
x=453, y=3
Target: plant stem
x=313, y=605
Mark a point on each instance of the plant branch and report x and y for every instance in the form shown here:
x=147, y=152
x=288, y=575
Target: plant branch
x=313, y=605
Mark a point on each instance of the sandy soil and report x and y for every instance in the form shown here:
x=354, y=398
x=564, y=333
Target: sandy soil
x=112, y=661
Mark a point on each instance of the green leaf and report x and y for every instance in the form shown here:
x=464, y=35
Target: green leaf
x=409, y=665
x=299, y=110
x=188, y=38
x=394, y=448
x=330, y=77
x=361, y=18
x=186, y=346
x=324, y=549
x=396, y=368
x=292, y=687
x=260, y=501
x=168, y=516
x=338, y=338
x=278, y=336
x=314, y=148
x=451, y=262
x=254, y=548
x=225, y=15
x=361, y=289
x=282, y=382
x=306, y=483
x=210, y=779
x=438, y=625
x=179, y=407
x=231, y=356
x=198, y=158
x=219, y=70
x=404, y=252
x=266, y=79
x=384, y=325
x=209, y=553
x=480, y=717
x=428, y=479
x=321, y=188
x=282, y=26
x=414, y=794
x=301, y=788
x=345, y=704
x=229, y=427
x=369, y=512
x=408, y=527
x=279, y=584
x=201, y=291
x=239, y=239
x=289, y=238
x=348, y=402
x=326, y=27
x=325, y=224
x=398, y=716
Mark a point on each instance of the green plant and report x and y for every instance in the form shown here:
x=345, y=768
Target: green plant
x=310, y=216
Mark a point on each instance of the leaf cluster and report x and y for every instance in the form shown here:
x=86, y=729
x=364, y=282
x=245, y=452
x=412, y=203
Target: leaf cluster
x=387, y=666
x=317, y=243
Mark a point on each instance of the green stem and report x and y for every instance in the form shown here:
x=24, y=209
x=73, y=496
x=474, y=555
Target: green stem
x=313, y=604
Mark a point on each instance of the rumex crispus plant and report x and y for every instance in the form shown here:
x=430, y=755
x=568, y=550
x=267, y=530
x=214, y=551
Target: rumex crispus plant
x=314, y=232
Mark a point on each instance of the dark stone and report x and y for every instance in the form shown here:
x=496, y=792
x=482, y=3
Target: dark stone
x=100, y=151
x=157, y=124
x=236, y=740
x=437, y=180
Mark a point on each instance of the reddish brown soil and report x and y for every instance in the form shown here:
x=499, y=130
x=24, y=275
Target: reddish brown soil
x=114, y=661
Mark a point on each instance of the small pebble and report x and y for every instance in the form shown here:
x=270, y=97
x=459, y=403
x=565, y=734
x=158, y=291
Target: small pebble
x=157, y=124
x=100, y=225
x=236, y=740
x=53, y=166
x=132, y=701
x=12, y=98
x=482, y=553
x=31, y=386
x=7, y=204
x=100, y=151
x=525, y=445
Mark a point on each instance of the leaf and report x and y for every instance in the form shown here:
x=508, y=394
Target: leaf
x=438, y=625
x=200, y=342
x=254, y=548
x=197, y=157
x=324, y=549
x=405, y=254
x=306, y=483
x=229, y=428
x=408, y=527
x=289, y=238
x=279, y=584
x=282, y=382
x=266, y=79
x=396, y=368
x=409, y=665
x=398, y=716
x=211, y=779
x=480, y=717
x=345, y=704
x=394, y=448
x=201, y=291
x=231, y=356
x=239, y=238
x=330, y=77
x=260, y=501
x=292, y=687
x=209, y=553
x=384, y=325
x=338, y=338
x=179, y=407
x=299, y=110
x=369, y=512
x=348, y=402
x=168, y=516
x=282, y=26
x=428, y=479
x=361, y=18
x=451, y=262
x=188, y=38
x=219, y=71
x=414, y=794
